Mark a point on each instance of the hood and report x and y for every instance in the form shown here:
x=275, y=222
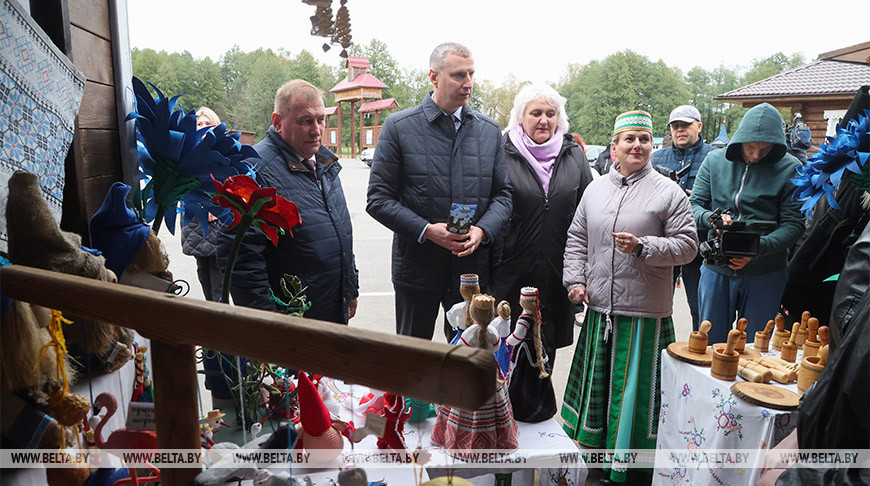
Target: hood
x=762, y=123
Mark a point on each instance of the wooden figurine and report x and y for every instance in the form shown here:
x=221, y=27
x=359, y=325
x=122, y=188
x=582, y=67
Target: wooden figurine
x=726, y=361
x=789, y=349
x=741, y=343
x=781, y=335
x=698, y=339
x=812, y=344
x=492, y=426
x=811, y=368
x=762, y=338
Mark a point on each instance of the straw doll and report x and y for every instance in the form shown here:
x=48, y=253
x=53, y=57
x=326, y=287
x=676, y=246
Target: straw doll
x=531, y=389
x=459, y=316
x=492, y=426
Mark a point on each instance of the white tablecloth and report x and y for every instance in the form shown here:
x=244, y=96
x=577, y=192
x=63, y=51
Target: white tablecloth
x=699, y=413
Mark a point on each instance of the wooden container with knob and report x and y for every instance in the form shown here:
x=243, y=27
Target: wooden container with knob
x=762, y=338
x=781, y=335
x=741, y=343
x=789, y=349
x=812, y=344
x=726, y=361
x=698, y=339
x=811, y=368
x=803, y=332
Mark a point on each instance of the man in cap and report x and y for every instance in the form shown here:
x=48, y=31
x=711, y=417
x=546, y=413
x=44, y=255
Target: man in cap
x=688, y=149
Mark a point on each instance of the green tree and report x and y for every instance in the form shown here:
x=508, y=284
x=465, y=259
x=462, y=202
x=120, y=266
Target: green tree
x=600, y=90
x=496, y=101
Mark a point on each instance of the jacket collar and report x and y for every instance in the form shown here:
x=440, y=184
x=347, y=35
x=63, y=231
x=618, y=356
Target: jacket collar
x=620, y=180
x=324, y=156
x=431, y=111
x=691, y=148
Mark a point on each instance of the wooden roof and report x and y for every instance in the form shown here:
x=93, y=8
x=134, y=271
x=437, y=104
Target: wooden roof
x=363, y=80
x=378, y=105
x=859, y=53
x=330, y=110
x=819, y=79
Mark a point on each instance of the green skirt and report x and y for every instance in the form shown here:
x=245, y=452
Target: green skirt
x=612, y=398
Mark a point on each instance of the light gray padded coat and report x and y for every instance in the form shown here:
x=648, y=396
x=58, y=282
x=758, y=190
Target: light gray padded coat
x=649, y=206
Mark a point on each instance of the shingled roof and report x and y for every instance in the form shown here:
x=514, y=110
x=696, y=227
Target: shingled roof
x=816, y=79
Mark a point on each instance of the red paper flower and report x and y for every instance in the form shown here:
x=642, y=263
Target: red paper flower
x=263, y=207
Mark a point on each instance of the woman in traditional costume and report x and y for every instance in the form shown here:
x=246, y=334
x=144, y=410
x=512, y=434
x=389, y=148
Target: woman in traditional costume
x=631, y=227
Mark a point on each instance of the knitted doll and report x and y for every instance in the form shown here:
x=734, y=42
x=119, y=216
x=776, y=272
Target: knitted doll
x=531, y=389
x=319, y=433
x=492, y=426
x=394, y=433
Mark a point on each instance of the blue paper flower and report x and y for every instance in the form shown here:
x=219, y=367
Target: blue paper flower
x=845, y=155
x=178, y=161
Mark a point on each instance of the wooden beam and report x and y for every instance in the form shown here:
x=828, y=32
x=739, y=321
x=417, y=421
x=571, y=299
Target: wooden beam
x=457, y=376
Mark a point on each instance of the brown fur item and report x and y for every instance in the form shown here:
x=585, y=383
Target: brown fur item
x=35, y=240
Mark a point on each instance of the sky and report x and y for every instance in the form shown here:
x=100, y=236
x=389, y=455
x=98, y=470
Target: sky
x=534, y=41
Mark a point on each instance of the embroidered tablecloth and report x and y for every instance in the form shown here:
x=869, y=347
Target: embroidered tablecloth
x=700, y=414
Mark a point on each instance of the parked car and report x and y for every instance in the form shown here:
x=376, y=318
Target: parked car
x=593, y=151
x=367, y=155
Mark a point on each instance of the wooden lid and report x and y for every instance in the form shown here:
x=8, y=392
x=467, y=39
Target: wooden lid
x=681, y=352
x=766, y=395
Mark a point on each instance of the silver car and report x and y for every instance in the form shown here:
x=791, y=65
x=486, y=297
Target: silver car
x=367, y=155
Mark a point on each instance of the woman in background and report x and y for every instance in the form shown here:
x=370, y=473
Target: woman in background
x=548, y=173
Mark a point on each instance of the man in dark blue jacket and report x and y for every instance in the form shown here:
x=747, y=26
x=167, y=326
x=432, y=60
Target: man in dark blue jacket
x=687, y=150
x=320, y=251
x=428, y=157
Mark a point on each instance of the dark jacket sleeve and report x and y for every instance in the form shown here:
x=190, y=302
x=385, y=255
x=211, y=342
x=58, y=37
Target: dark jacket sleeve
x=701, y=197
x=500, y=204
x=383, y=199
x=249, y=286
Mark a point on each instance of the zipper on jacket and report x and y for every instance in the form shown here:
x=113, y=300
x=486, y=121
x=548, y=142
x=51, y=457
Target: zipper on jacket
x=613, y=251
x=737, y=196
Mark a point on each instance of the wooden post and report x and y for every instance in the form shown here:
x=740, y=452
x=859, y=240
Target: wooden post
x=175, y=404
x=352, y=131
x=338, y=111
x=458, y=376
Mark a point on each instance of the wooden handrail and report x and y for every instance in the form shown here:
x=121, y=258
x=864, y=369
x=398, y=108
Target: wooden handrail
x=457, y=376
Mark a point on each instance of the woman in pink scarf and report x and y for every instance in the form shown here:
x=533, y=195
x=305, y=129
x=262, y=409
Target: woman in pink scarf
x=548, y=173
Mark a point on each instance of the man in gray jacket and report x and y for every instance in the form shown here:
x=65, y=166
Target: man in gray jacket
x=429, y=157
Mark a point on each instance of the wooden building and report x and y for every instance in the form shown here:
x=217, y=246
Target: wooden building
x=359, y=85
x=820, y=91
x=368, y=134
x=94, y=36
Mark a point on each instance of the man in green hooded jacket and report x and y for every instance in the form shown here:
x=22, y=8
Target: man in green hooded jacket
x=752, y=179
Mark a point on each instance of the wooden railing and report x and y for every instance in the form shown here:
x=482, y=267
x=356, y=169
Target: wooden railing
x=458, y=376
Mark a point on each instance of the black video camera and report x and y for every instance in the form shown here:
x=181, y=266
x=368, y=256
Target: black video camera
x=674, y=175
x=740, y=239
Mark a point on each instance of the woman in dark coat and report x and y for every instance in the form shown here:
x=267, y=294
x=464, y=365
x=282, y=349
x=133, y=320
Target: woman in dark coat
x=548, y=173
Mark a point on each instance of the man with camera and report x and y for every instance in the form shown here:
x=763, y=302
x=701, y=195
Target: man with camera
x=743, y=197
x=681, y=162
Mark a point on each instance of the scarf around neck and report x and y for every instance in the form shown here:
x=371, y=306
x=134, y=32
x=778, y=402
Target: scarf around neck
x=540, y=157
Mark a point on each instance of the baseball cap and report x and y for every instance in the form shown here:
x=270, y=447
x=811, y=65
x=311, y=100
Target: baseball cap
x=684, y=113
